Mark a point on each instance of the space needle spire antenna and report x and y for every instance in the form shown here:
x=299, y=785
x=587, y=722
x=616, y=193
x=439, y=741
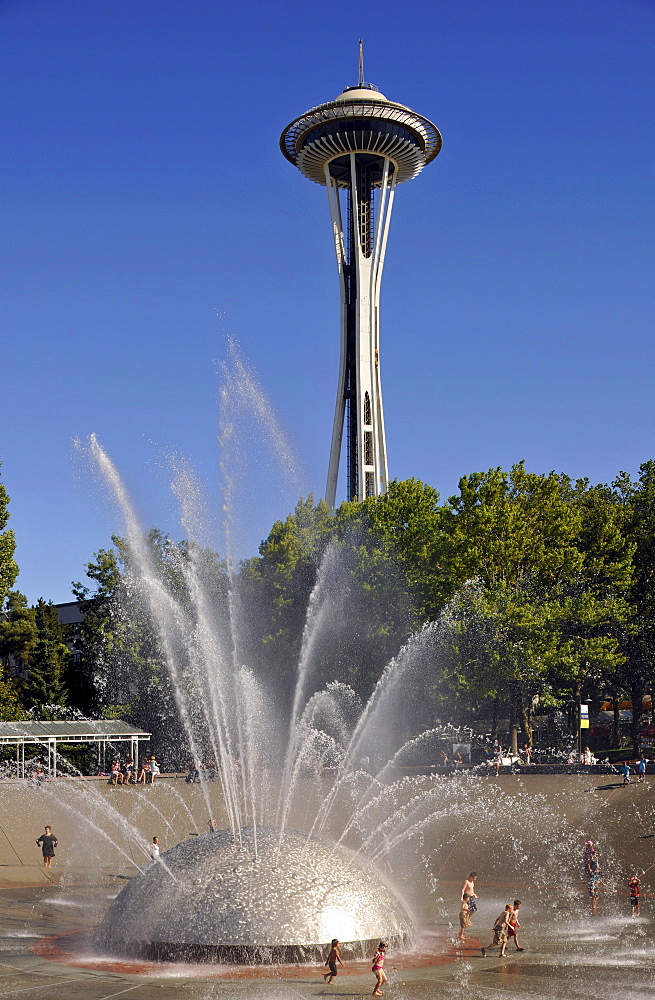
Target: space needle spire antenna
x=360, y=146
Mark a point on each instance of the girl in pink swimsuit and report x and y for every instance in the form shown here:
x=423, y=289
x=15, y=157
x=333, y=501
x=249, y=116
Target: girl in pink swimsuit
x=378, y=968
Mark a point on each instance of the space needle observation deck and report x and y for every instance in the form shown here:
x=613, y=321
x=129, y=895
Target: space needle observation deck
x=360, y=146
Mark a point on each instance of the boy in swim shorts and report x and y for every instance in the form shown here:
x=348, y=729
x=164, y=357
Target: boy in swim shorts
x=331, y=961
x=464, y=918
x=513, y=926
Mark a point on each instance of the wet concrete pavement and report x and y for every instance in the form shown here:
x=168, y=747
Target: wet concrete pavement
x=568, y=953
x=608, y=958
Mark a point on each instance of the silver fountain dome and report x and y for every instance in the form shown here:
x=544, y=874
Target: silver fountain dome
x=259, y=899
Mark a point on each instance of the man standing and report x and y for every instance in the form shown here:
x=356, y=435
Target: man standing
x=468, y=890
x=47, y=842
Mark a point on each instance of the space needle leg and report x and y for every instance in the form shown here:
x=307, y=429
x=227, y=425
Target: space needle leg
x=340, y=407
x=384, y=219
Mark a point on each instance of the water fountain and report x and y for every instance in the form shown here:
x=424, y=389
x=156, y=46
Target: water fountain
x=259, y=890
x=312, y=812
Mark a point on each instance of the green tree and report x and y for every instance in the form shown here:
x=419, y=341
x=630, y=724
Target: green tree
x=334, y=591
x=18, y=636
x=274, y=591
x=596, y=608
x=554, y=566
x=8, y=566
x=97, y=637
x=408, y=522
x=48, y=660
x=11, y=707
x=638, y=677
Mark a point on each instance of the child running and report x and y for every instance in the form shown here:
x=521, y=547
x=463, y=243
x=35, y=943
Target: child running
x=378, y=968
x=501, y=931
x=331, y=961
x=513, y=925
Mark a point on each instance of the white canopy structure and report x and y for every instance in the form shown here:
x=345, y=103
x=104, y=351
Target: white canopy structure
x=49, y=734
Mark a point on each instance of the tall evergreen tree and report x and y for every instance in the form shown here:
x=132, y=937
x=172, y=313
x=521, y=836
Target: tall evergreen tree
x=48, y=660
x=18, y=636
x=8, y=566
x=95, y=637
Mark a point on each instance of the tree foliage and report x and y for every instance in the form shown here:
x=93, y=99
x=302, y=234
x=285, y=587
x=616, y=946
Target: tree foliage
x=34, y=653
x=544, y=587
x=554, y=566
x=8, y=565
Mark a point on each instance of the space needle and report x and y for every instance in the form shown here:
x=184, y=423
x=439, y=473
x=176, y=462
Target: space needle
x=360, y=146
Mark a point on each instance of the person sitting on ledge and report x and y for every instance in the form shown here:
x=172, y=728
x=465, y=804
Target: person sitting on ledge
x=116, y=774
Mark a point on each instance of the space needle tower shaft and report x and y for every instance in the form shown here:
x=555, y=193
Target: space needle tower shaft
x=360, y=147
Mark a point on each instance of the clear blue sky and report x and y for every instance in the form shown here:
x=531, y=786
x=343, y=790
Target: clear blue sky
x=147, y=214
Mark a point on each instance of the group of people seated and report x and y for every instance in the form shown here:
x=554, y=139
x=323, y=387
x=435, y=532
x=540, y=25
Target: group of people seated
x=126, y=773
